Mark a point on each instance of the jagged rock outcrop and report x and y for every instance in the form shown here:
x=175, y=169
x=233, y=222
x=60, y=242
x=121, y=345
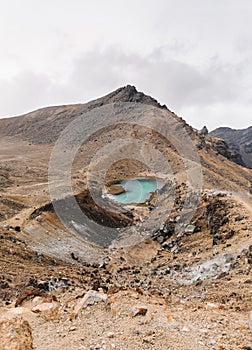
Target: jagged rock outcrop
x=204, y=130
x=223, y=148
x=239, y=142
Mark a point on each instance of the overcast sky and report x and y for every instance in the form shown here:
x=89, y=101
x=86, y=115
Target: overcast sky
x=193, y=55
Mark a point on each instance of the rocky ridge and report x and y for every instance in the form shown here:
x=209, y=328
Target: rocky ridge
x=239, y=143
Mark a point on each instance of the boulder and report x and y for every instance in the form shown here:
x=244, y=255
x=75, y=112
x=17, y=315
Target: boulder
x=15, y=334
x=115, y=189
x=190, y=229
x=90, y=297
x=138, y=311
x=14, y=312
x=48, y=310
x=38, y=218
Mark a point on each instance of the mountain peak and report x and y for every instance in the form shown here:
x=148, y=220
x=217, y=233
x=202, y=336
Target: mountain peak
x=129, y=93
x=46, y=119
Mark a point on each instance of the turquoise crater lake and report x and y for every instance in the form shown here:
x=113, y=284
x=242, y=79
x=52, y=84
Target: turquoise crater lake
x=137, y=190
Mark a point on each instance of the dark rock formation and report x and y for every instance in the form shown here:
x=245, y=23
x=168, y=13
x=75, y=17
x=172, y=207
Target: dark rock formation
x=239, y=143
x=222, y=148
x=204, y=131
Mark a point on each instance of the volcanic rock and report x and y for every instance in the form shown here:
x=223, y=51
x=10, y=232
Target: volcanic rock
x=239, y=142
x=15, y=334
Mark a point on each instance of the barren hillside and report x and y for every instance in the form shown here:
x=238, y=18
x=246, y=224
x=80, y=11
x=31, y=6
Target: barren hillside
x=171, y=273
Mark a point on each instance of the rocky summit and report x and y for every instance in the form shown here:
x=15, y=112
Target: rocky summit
x=82, y=269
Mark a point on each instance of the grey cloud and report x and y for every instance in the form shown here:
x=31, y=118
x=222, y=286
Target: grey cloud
x=25, y=89
x=182, y=86
x=244, y=44
x=96, y=72
x=172, y=81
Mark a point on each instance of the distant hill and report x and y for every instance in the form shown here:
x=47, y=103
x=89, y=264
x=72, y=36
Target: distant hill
x=239, y=142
